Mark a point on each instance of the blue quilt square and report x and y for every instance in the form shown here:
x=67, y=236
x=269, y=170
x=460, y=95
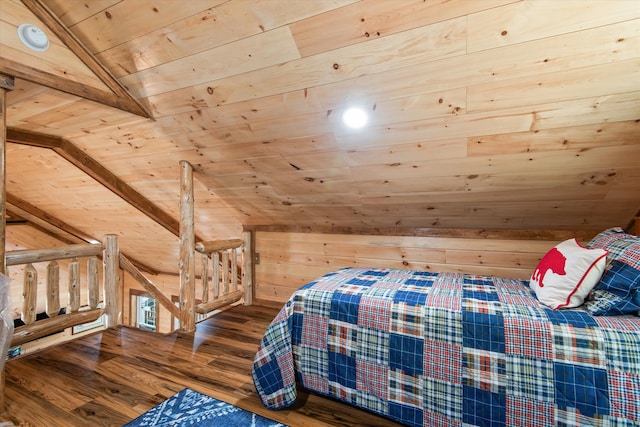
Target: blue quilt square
x=410, y=415
x=483, y=331
x=481, y=295
x=360, y=282
x=477, y=281
x=575, y=388
x=419, y=282
x=342, y=369
x=297, y=321
x=483, y=407
x=406, y=354
x=410, y=298
x=270, y=378
x=618, y=292
x=344, y=307
x=379, y=273
x=480, y=291
x=577, y=318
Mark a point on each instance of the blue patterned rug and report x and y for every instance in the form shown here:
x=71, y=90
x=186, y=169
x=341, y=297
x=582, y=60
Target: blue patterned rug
x=190, y=408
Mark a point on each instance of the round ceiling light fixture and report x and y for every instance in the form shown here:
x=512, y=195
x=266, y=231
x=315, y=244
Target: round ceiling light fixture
x=355, y=118
x=33, y=37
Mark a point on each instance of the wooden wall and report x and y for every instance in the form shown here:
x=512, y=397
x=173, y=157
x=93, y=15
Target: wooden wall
x=289, y=259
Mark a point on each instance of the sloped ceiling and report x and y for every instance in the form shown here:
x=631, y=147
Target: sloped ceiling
x=485, y=114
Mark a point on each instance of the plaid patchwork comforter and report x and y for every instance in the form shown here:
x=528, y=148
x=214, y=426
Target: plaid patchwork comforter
x=447, y=349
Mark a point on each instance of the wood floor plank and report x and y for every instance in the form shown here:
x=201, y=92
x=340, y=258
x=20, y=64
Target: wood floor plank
x=111, y=377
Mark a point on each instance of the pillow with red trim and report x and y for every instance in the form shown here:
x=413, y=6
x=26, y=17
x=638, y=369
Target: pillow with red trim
x=567, y=273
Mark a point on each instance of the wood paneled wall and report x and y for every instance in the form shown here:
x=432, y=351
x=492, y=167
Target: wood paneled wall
x=288, y=260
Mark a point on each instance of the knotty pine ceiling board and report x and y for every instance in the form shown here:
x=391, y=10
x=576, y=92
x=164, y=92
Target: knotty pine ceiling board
x=557, y=86
x=27, y=110
x=23, y=91
x=272, y=147
x=160, y=164
x=70, y=14
x=23, y=236
x=229, y=21
x=580, y=137
x=128, y=138
x=521, y=21
x=417, y=46
x=588, y=110
x=73, y=116
x=371, y=19
x=122, y=21
x=252, y=53
x=523, y=60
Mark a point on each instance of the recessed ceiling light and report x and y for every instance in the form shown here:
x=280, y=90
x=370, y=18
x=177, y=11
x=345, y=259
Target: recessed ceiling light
x=355, y=118
x=33, y=37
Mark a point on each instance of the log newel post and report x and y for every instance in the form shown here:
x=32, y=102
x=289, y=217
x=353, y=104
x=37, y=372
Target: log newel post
x=6, y=85
x=187, y=251
x=112, y=286
x=247, y=267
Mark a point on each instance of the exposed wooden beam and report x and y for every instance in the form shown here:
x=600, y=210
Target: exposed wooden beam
x=33, y=139
x=468, y=233
x=7, y=82
x=91, y=167
x=119, y=98
x=74, y=88
x=16, y=221
x=45, y=221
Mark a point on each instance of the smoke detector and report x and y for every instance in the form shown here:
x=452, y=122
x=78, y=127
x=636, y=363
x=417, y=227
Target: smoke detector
x=33, y=37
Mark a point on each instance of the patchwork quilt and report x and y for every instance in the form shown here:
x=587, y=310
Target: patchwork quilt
x=448, y=349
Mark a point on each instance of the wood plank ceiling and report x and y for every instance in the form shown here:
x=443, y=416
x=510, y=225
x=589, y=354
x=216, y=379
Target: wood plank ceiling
x=485, y=114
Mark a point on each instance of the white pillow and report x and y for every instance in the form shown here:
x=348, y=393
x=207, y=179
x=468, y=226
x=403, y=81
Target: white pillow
x=567, y=273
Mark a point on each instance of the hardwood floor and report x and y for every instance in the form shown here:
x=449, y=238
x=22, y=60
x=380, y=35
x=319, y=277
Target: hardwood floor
x=109, y=378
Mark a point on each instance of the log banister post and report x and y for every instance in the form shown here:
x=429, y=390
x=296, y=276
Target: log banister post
x=93, y=282
x=247, y=267
x=29, y=292
x=112, y=286
x=187, y=252
x=53, y=289
x=6, y=85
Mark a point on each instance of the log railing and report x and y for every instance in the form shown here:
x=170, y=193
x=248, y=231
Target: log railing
x=76, y=311
x=229, y=259
x=149, y=286
x=226, y=273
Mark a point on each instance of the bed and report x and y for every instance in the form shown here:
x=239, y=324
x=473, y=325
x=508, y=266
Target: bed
x=447, y=349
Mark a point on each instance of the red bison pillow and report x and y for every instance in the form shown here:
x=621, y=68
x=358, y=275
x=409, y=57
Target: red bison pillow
x=567, y=273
